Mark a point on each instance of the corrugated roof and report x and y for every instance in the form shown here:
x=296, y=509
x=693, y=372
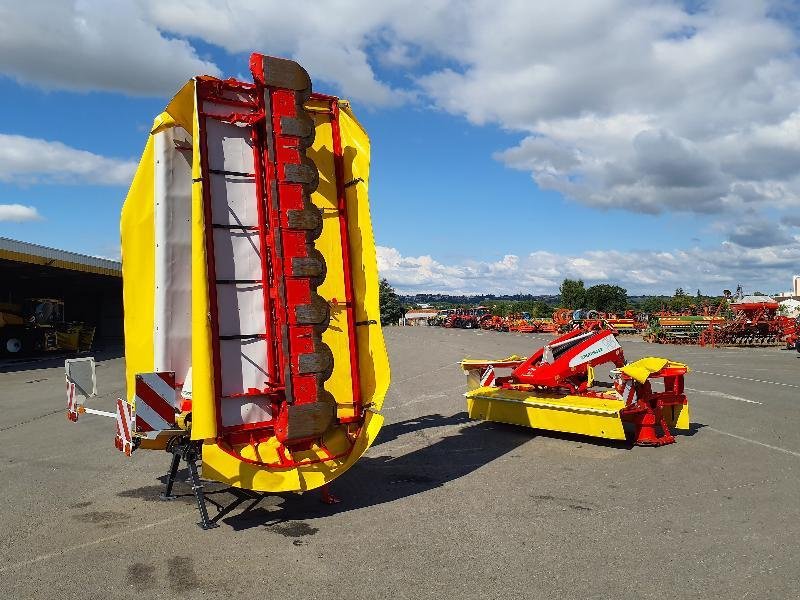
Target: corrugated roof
x=61, y=259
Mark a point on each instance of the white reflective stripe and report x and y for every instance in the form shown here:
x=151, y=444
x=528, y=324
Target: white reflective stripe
x=149, y=416
x=602, y=346
x=159, y=386
x=101, y=413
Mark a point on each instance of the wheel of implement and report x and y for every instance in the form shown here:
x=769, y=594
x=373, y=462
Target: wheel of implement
x=13, y=345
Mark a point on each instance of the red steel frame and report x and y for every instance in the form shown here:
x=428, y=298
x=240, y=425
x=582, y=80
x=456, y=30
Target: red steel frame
x=211, y=90
x=269, y=158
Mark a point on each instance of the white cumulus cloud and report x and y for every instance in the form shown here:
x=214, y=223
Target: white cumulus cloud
x=766, y=269
x=88, y=45
x=31, y=160
x=18, y=213
x=647, y=107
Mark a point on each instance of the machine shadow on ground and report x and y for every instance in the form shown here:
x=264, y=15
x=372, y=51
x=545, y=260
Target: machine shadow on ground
x=380, y=478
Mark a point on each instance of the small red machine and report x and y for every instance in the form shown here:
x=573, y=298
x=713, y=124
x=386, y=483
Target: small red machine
x=565, y=362
x=555, y=389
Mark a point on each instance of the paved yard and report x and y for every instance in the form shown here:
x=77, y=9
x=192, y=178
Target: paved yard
x=439, y=507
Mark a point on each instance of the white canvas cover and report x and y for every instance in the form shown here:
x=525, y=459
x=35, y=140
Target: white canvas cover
x=172, y=341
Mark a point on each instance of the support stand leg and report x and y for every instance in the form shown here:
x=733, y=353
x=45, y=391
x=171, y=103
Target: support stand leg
x=197, y=488
x=171, y=474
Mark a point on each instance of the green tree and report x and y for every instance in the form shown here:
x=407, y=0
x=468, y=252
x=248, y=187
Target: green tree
x=541, y=310
x=607, y=298
x=389, y=302
x=573, y=294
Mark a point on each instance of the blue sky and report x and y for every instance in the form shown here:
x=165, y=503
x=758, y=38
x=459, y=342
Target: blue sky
x=512, y=146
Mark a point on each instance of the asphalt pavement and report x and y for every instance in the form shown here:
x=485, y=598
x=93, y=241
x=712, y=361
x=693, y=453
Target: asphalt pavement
x=439, y=507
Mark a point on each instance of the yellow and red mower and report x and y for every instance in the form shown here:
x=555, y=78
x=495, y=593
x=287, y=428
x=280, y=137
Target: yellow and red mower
x=555, y=390
x=250, y=288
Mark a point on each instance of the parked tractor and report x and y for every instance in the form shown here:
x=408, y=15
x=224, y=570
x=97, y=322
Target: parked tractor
x=38, y=325
x=440, y=318
x=467, y=318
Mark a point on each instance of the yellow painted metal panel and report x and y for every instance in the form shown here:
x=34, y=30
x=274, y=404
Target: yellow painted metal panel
x=137, y=231
x=221, y=466
x=204, y=409
x=373, y=361
x=641, y=369
x=677, y=417
x=340, y=383
x=596, y=417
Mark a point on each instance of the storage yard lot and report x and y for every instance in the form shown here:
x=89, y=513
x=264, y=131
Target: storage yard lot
x=439, y=507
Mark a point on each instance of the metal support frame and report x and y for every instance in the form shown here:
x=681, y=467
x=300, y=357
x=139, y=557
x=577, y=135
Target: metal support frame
x=189, y=451
x=182, y=448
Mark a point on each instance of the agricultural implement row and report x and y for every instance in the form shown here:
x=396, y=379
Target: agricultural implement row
x=755, y=322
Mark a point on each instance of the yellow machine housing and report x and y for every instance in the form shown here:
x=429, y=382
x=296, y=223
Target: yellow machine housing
x=169, y=176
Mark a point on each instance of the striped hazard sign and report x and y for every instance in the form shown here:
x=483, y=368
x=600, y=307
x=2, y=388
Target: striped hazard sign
x=72, y=401
x=155, y=401
x=487, y=379
x=124, y=439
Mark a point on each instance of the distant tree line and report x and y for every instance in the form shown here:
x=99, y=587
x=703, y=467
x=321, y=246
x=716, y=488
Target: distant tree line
x=573, y=294
x=391, y=307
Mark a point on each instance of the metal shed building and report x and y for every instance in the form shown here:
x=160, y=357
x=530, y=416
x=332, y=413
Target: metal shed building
x=90, y=287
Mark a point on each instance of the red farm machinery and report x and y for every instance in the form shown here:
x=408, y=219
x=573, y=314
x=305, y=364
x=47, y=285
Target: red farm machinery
x=467, y=318
x=556, y=389
x=755, y=321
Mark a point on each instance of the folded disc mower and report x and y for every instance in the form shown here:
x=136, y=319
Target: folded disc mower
x=555, y=390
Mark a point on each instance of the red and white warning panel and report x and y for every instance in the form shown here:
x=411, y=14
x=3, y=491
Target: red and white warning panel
x=124, y=439
x=154, y=409
x=155, y=400
x=488, y=377
x=72, y=401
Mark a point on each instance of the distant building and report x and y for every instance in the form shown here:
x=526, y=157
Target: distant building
x=794, y=292
x=419, y=317
x=89, y=287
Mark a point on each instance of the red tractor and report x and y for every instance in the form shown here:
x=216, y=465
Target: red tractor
x=468, y=318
